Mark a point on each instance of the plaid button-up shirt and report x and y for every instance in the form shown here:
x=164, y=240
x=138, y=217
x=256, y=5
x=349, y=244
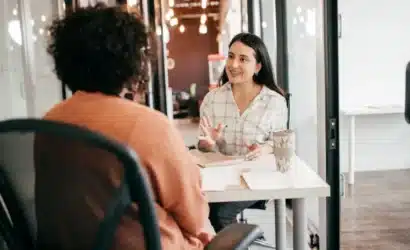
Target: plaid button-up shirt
x=267, y=113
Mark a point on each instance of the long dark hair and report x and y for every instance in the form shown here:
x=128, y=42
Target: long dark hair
x=265, y=74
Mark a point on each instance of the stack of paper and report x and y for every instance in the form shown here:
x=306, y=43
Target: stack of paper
x=218, y=179
x=266, y=180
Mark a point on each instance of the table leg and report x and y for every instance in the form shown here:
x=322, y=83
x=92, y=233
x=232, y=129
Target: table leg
x=352, y=151
x=280, y=224
x=300, y=239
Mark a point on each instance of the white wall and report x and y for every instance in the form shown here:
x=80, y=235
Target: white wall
x=374, y=50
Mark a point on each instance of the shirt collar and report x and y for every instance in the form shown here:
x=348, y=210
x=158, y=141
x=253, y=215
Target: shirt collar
x=264, y=92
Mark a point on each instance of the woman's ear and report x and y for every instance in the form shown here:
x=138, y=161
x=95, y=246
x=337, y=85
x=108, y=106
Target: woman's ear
x=258, y=68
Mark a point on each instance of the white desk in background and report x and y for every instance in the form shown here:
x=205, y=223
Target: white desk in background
x=299, y=183
x=351, y=113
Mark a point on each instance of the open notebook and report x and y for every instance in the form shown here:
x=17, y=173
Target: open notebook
x=215, y=159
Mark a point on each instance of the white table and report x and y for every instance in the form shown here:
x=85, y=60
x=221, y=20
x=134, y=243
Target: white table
x=351, y=113
x=299, y=183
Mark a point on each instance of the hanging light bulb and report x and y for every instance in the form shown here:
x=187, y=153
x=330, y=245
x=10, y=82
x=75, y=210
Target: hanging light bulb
x=264, y=25
x=204, y=4
x=203, y=19
x=170, y=14
x=203, y=29
x=158, y=31
x=15, y=31
x=171, y=3
x=182, y=28
x=131, y=3
x=173, y=21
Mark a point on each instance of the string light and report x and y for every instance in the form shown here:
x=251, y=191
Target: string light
x=203, y=29
x=203, y=19
x=173, y=21
x=182, y=28
x=204, y=4
x=131, y=3
x=171, y=3
x=169, y=14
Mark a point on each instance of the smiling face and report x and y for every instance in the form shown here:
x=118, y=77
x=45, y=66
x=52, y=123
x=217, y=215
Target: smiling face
x=241, y=64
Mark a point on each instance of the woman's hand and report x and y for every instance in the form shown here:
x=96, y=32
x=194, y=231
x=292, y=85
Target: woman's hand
x=254, y=151
x=210, y=134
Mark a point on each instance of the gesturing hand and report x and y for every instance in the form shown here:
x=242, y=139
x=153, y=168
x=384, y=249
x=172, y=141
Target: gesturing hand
x=210, y=134
x=254, y=151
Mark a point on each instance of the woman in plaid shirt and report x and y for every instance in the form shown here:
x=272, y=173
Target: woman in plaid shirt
x=238, y=118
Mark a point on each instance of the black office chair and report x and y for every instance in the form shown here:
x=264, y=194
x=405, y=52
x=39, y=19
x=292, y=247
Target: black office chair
x=36, y=151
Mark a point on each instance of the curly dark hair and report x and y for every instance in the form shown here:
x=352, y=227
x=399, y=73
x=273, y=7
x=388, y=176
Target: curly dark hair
x=100, y=49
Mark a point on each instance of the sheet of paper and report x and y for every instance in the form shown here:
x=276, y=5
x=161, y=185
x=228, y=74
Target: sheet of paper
x=219, y=178
x=267, y=162
x=213, y=159
x=265, y=180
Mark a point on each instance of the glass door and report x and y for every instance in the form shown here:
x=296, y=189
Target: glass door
x=12, y=91
x=29, y=86
x=306, y=46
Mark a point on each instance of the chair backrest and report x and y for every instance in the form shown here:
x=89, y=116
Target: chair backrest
x=66, y=187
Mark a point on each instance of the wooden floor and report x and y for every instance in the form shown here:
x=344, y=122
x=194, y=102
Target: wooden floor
x=377, y=215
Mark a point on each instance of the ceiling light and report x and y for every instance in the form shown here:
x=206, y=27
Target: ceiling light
x=204, y=4
x=182, y=28
x=173, y=21
x=203, y=29
x=264, y=25
x=132, y=3
x=15, y=31
x=203, y=19
x=171, y=3
x=169, y=14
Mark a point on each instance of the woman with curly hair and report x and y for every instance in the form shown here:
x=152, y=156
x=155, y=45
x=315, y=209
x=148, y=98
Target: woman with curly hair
x=99, y=52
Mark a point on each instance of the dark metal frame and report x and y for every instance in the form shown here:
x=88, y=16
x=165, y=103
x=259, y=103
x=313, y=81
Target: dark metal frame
x=282, y=45
x=134, y=182
x=159, y=76
x=251, y=20
x=330, y=22
x=407, y=95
